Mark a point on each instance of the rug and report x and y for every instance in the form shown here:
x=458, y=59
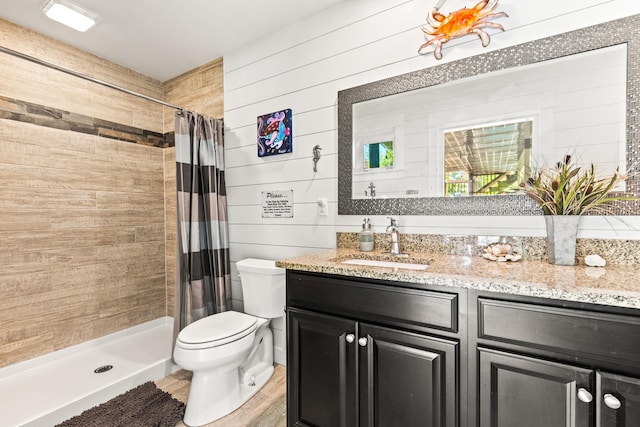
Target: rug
x=143, y=406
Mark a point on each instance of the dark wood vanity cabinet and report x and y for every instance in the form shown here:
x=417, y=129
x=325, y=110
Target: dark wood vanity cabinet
x=525, y=392
x=386, y=356
x=551, y=364
x=521, y=391
x=364, y=352
x=618, y=400
x=406, y=378
x=321, y=370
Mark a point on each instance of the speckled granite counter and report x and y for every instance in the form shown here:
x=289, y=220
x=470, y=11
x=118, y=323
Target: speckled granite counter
x=616, y=285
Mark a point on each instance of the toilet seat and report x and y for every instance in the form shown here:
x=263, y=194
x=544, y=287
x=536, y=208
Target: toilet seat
x=216, y=330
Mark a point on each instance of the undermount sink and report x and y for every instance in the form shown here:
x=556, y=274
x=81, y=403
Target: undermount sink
x=388, y=264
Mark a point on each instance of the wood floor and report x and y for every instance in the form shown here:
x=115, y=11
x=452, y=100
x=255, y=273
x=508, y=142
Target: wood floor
x=265, y=409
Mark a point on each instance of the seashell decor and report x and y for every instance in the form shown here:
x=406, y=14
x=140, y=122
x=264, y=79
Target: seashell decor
x=594, y=261
x=501, y=252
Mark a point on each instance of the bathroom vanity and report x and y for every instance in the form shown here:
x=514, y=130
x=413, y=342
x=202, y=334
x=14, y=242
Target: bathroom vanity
x=465, y=342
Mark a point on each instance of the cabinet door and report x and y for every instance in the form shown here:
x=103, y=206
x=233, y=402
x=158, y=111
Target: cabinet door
x=525, y=392
x=321, y=376
x=407, y=379
x=618, y=400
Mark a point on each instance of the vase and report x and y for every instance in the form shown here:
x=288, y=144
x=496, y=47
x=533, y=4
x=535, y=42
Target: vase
x=561, y=238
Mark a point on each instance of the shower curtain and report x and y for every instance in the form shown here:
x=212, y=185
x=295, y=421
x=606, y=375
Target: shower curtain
x=203, y=280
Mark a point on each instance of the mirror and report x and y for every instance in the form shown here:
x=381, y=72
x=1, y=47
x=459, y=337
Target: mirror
x=513, y=109
x=574, y=101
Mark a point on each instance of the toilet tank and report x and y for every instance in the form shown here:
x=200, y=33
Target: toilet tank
x=263, y=287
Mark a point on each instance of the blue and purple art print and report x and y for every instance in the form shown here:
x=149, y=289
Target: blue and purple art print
x=274, y=133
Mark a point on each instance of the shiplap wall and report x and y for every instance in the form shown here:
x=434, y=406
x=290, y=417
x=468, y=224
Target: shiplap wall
x=304, y=65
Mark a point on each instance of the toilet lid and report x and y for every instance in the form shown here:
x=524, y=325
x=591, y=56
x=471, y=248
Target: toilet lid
x=218, y=329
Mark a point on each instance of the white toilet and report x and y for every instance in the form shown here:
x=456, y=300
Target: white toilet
x=231, y=353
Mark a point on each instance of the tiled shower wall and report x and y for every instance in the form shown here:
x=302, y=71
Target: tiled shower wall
x=85, y=249
x=82, y=226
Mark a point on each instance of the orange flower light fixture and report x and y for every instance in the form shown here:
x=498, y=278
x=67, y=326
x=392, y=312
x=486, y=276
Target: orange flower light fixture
x=460, y=23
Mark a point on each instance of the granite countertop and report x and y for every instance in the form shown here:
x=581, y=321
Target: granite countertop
x=615, y=285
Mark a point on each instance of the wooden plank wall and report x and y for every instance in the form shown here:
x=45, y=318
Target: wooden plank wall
x=82, y=231
x=84, y=219
x=303, y=66
x=170, y=228
x=81, y=216
x=200, y=90
x=34, y=83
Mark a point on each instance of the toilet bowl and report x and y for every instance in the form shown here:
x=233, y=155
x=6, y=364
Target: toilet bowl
x=231, y=353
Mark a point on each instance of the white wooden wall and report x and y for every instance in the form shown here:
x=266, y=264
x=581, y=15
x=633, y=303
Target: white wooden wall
x=303, y=66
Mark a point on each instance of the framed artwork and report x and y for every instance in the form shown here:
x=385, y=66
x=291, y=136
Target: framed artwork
x=275, y=133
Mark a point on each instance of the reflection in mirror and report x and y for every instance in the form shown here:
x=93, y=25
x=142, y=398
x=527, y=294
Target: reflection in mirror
x=487, y=160
x=579, y=89
x=378, y=155
x=577, y=102
x=378, y=162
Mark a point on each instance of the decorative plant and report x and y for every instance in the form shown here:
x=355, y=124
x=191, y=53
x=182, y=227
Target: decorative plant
x=570, y=190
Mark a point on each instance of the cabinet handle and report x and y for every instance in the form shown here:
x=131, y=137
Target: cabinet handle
x=584, y=395
x=362, y=341
x=350, y=338
x=611, y=401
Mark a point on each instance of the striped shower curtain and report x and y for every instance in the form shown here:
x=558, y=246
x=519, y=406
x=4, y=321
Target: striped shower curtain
x=203, y=278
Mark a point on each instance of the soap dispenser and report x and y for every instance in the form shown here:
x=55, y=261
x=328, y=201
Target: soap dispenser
x=366, y=236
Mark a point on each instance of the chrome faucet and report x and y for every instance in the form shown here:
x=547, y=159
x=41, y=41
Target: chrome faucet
x=395, y=236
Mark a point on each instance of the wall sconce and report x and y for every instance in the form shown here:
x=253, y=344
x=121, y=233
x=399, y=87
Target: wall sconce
x=70, y=14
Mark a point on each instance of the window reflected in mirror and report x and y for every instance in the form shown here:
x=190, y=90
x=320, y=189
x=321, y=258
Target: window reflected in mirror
x=378, y=155
x=488, y=159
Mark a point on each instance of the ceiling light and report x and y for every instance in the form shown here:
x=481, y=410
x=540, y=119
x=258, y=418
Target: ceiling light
x=70, y=14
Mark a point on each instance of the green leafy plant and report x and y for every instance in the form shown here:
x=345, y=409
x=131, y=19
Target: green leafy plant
x=567, y=189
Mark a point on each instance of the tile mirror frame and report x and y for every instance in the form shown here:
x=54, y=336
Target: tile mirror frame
x=621, y=31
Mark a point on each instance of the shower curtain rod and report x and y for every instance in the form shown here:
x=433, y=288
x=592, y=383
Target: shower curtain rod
x=85, y=77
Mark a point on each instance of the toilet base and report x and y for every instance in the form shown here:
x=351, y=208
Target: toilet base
x=227, y=395
x=216, y=393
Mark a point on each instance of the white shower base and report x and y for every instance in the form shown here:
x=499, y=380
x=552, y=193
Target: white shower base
x=47, y=390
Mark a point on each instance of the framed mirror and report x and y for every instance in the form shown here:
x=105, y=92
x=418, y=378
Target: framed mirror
x=466, y=133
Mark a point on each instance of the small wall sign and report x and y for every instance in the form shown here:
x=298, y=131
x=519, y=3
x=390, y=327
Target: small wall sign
x=277, y=204
x=274, y=133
